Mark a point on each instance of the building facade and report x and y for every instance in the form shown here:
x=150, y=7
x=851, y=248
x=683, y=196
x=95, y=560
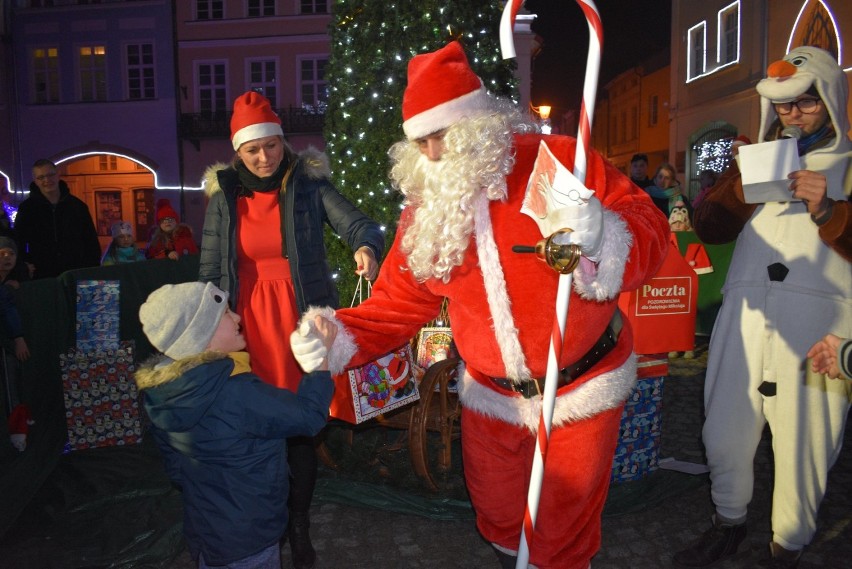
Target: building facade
x=632, y=115
x=92, y=89
x=132, y=98
x=720, y=50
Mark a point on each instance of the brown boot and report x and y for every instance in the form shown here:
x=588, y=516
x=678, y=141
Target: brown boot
x=718, y=542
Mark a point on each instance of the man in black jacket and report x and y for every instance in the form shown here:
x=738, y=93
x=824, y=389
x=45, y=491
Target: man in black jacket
x=54, y=229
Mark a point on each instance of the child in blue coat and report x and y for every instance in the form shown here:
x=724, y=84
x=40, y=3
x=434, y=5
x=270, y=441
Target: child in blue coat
x=221, y=429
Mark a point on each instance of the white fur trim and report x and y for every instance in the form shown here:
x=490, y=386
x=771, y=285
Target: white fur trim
x=605, y=282
x=255, y=131
x=446, y=114
x=344, y=346
x=499, y=304
x=603, y=392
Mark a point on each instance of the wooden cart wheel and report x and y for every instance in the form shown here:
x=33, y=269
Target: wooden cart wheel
x=438, y=410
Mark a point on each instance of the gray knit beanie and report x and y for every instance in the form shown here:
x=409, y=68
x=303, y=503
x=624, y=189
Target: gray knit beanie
x=180, y=320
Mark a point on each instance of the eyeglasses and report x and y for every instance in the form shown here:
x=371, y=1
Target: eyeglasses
x=805, y=106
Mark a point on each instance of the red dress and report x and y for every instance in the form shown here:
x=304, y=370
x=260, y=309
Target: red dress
x=267, y=300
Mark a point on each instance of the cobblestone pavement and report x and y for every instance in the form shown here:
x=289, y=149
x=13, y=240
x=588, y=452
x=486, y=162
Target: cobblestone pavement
x=347, y=536
x=374, y=513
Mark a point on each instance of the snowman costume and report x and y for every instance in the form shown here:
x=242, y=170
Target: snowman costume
x=789, y=283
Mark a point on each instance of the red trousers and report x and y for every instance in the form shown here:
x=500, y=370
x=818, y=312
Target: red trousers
x=497, y=463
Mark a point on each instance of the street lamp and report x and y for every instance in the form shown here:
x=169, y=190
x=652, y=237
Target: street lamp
x=543, y=111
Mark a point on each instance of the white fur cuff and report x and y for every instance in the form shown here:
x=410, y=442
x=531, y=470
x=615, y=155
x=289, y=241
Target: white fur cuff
x=605, y=283
x=344, y=346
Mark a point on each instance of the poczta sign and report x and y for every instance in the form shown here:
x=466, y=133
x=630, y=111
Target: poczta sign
x=664, y=295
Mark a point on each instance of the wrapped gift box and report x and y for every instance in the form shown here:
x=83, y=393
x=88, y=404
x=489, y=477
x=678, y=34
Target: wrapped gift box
x=101, y=402
x=637, y=452
x=97, y=315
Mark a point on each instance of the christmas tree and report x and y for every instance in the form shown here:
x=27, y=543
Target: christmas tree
x=371, y=44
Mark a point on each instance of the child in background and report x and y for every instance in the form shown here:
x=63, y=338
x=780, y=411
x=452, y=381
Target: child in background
x=11, y=334
x=171, y=240
x=220, y=428
x=123, y=247
x=12, y=270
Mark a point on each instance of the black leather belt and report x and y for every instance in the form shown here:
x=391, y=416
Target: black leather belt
x=596, y=353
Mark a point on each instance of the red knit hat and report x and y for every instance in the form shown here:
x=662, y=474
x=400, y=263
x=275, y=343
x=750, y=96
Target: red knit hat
x=165, y=209
x=253, y=118
x=442, y=88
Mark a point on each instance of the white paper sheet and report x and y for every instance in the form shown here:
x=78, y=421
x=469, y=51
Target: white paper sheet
x=764, y=169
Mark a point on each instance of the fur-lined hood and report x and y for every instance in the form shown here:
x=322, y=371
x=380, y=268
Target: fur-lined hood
x=161, y=369
x=313, y=162
x=178, y=394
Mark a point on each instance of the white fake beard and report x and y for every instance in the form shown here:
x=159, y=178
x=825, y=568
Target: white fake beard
x=445, y=194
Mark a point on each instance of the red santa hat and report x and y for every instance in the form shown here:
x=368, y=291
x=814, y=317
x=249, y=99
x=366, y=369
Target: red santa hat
x=165, y=209
x=253, y=118
x=697, y=257
x=442, y=88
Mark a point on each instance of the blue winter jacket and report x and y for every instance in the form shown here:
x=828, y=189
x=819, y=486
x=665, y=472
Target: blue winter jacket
x=223, y=443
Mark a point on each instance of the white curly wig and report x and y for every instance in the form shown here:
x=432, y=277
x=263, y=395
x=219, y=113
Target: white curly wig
x=478, y=155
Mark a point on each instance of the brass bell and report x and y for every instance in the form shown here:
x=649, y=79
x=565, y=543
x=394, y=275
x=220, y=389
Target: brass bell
x=561, y=258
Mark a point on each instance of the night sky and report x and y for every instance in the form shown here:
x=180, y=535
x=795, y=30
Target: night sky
x=633, y=30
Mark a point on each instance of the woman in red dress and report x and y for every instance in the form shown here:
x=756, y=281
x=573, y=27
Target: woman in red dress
x=263, y=242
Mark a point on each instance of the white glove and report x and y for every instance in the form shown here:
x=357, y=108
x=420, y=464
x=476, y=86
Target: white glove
x=586, y=220
x=307, y=347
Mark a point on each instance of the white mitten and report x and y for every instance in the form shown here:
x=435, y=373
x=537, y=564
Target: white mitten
x=586, y=220
x=308, y=349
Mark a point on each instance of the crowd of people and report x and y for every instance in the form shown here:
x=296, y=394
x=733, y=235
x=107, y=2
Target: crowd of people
x=235, y=408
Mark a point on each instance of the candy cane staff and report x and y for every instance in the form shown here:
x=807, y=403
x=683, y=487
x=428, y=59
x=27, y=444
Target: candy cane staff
x=463, y=170
x=565, y=279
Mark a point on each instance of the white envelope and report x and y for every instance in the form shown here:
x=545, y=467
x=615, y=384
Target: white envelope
x=764, y=169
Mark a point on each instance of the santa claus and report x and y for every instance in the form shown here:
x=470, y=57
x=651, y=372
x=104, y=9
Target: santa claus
x=463, y=169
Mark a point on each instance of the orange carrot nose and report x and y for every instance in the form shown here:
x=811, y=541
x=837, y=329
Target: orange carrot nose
x=781, y=69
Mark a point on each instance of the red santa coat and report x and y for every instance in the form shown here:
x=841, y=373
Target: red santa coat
x=501, y=308
x=635, y=241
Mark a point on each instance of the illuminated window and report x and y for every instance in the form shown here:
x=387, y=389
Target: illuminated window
x=107, y=162
x=108, y=209
x=263, y=78
x=46, y=75
x=258, y=8
x=140, y=71
x=313, y=86
x=212, y=91
x=729, y=34
x=209, y=10
x=697, y=51
x=816, y=26
x=314, y=7
x=92, y=67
